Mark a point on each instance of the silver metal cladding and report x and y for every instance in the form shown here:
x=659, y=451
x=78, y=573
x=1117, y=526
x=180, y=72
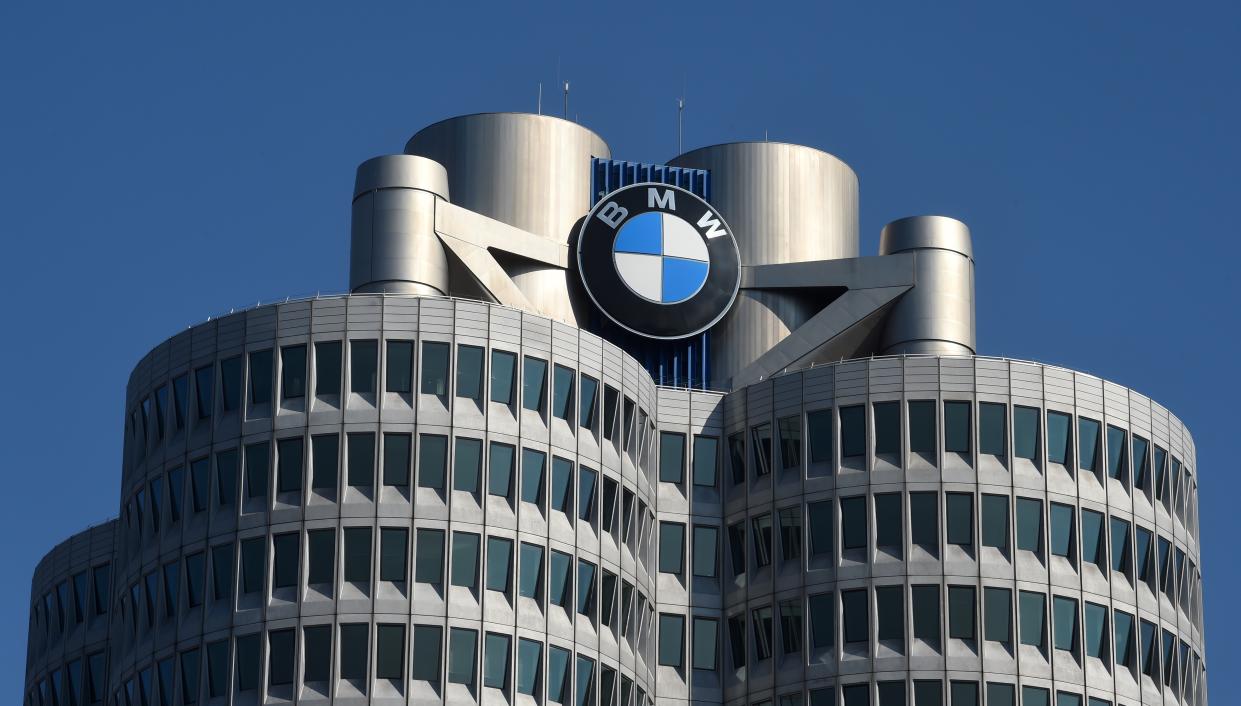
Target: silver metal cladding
x=937, y=315
x=529, y=171
x=393, y=245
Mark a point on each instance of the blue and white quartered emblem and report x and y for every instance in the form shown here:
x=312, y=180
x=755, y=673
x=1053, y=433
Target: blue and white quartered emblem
x=658, y=260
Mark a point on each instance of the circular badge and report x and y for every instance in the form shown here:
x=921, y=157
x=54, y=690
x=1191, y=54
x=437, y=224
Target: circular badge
x=658, y=260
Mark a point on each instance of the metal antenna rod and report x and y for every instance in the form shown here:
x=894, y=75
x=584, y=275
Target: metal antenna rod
x=540, y=103
x=566, y=100
x=680, y=110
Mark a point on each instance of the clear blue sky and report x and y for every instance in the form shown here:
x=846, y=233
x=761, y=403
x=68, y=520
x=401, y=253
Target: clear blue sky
x=160, y=165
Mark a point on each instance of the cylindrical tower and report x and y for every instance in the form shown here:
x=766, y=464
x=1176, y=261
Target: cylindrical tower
x=529, y=171
x=394, y=247
x=785, y=203
x=937, y=316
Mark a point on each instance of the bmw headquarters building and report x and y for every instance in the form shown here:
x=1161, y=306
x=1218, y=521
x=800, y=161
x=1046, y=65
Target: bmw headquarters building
x=591, y=432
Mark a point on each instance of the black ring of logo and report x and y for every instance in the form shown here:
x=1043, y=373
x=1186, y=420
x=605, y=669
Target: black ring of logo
x=614, y=298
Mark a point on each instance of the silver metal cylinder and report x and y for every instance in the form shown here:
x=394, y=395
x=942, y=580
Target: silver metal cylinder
x=393, y=245
x=529, y=171
x=937, y=315
x=784, y=203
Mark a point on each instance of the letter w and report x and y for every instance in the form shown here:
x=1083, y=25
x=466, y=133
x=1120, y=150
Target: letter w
x=713, y=225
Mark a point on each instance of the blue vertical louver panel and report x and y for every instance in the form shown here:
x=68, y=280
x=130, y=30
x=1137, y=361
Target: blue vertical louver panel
x=684, y=363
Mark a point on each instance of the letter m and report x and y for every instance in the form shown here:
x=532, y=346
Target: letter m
x=654, y=200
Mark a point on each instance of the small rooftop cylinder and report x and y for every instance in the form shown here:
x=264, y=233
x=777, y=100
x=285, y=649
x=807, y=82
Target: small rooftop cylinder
x=937, y=315
x=393, y=246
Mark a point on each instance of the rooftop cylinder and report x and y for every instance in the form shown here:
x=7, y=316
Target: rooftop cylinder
x=937, y=315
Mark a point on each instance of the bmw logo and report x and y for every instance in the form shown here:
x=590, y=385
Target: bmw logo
x=658, y=260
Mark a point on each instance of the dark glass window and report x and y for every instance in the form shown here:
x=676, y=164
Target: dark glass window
x=180, y=400
x=887, y=418
x=258, y=469
x=960, y=524
x=1058, y=425
x=820, y=517
x=434, y=380
x=855, y=612
x=991, y=426
x=467, y=464
x=889, y=524
x=534, y=384
x=204, y=389
x=736, y=640
x=500, y=469
x=200, y=483
x=853, y=522
x=610, y=398
x=855, y=694
x=997, y=614
x=1141, y=450
x=790, y=443
x=289, y=465
x=464, y=560
x=499, y=563
x=993, y=515
x=1034, y=696
x=562, y=392
x=362, y=459
x=1143, y=561
x=961, y=612
x=1093, y=548
x=189, y=678
x=495, y=660
x=327, y=368
x=891, y=693
x=429, y=557
x=396, y=459
x=588, y=402
x=760, y=620
x=532, y=476
x=354, y=650
x=325, y=450
x=736, y=457
x=1120, y=544
x=890, y=607
x=925, y=601
x=432, y=460
x=562, y=483
x=1031, y=609
x=586, y=494
x=760, y=446
x=560, y=587
x=736, y=545
x=964, y=693
x=530, y=571
x=852, y=431
x=1116, y=439
x=363, y=366
x=928, y=692
x=585, y=680
x=529, y=664
x=253, y=561
x=819, y=435
x=1088, y=444
x=176, y=493
x=470, y=372
x=706, y=631
x=1064, y=612
x=705, y=550
x=1161, y=463
x=280, y=657
x=671, y=547
x=1123, y=623
x=671, y=639
x=217, y=669
x=358, y=554
x=321, y=556
x=1061, y=529
x=822, y=620
x=922, y=427
x=393, y=548
x=924, y=520
x=221, y=572
x=390, y=652
x=426, y=646
x=1000, y=694
x=1096, y=630
x=230, y=383
x=557, y=673
x=293, y=376
x=260, y=377
x=671, y=457
x=761, y=527
x=790, y=533
x=1025, y=432
x=400, y=372
x=286, y=555
x=1030, y=524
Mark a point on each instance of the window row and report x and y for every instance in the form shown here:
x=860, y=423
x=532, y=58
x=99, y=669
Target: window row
x=71, y=603
x=961, y=427
x=552, y=391
x=285, y=565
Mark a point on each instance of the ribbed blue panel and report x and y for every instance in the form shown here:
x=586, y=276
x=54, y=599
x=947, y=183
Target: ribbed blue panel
x=684, y=363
